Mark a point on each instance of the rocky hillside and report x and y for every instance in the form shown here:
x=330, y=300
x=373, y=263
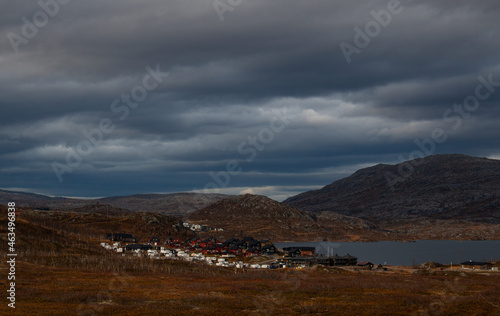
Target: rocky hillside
x=261, y=217
x=438, y=187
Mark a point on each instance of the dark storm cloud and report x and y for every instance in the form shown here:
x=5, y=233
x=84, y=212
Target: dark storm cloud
x=225, y=79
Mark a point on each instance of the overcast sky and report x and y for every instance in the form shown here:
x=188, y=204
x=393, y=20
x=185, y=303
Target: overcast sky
x=117, y=97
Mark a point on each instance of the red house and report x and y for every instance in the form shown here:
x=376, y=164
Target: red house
x=220, y=249
x=210, y=251
x=236, y=251
x=195, y=242
x=252, y=252
x=207, y=243
x=175, y=244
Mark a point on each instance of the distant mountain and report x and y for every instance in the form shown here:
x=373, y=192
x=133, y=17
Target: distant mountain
x=438, y=187
x=33, y=200
x=179, y=204
x=97, y=208
x=261, y=217
x=172, y=204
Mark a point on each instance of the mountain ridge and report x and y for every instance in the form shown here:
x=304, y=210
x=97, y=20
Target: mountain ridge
x=177, y=204
x=440, y=187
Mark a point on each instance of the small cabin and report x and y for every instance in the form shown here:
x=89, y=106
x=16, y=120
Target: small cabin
x=365, y=264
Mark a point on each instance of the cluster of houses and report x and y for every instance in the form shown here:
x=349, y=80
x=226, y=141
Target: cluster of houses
x=246, y=247
x=223, y=253
x=226, y=253
x=209, y=250
x=199, y=228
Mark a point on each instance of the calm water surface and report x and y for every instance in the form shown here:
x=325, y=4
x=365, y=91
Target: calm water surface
x=409, y=253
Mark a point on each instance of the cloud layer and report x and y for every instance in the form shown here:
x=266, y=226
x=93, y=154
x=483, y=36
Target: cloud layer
x=65, y=63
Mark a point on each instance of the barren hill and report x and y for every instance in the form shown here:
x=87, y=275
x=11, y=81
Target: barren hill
x=261, y=217
x=437, y=187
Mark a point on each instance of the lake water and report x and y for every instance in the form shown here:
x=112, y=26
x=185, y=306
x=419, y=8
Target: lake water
x=409, y=253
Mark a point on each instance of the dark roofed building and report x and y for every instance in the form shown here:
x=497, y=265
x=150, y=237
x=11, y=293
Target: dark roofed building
x=255, y=244
x=138, y=247
x=300, y=251
x=268, y=250
x=346, y=260
x=365, y=264
x=265, y=242
x=121, y=237
x=213, y=239
x=231, y=242
x=243, y=244
x=476, y=265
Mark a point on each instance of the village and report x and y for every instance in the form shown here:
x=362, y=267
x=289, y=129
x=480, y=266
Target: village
x=245, y=253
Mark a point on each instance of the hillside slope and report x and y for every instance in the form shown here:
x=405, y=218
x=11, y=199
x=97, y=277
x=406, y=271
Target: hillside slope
x=261, y=217
x=178, y=204
x=172, y=204
x=31, y=199
x=440, y=187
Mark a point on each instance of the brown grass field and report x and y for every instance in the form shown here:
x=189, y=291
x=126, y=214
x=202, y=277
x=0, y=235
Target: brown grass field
x=188, y=290
x=61, y=270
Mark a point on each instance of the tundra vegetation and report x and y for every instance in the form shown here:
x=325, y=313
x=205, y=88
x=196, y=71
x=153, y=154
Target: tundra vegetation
x=63, y=271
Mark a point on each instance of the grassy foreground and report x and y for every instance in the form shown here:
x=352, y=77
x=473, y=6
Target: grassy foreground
x=207, y=290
